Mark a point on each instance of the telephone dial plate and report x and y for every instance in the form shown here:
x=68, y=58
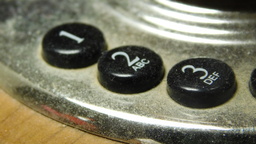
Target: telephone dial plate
x=175, y=31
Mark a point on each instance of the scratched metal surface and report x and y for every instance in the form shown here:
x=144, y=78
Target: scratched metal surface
x=175, y=31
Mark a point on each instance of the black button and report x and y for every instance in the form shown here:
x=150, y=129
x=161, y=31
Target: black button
x=73, y=45
x=252, y=83
x=201, y=82
x=130, y=69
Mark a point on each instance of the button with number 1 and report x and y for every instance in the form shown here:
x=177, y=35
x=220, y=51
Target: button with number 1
x=130, y=69
x=73, y=45
x=201, y=82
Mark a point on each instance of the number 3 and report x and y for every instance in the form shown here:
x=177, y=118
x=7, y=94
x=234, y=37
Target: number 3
x=195, y=70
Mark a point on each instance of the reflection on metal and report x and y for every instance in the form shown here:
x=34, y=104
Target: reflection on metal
x=189, y=23
x=80, y=121
x=185, y=28
x=192, y=39
x=186, y=8
x=145, y=120
x=187, y=17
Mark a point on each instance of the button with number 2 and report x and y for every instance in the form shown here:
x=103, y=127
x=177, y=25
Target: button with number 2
x=201, y=82
x=130, y=69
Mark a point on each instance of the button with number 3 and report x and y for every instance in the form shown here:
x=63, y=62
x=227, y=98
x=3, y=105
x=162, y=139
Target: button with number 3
x=130, y=69
x=201, y=82
x=73, y=45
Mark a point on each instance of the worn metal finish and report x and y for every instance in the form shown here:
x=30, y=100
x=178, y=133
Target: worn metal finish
x=175, y=31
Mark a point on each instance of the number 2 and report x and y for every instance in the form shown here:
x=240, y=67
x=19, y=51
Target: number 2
x=195, y=70
x=130, y=63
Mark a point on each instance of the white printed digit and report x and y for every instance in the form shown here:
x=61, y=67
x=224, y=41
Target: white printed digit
x=195, y=70
x=71, y=36
x=130, y=63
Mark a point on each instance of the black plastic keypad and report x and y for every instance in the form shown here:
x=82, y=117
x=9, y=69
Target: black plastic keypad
x=130, y=69
x=73, y=45
x=201, y=82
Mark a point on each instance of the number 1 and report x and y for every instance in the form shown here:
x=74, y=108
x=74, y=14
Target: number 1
x=71, y=36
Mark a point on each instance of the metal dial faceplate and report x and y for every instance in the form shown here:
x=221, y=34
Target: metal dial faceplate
x=173, y=30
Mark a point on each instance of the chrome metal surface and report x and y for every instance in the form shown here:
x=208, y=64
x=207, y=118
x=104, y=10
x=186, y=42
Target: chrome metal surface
x=173, y=30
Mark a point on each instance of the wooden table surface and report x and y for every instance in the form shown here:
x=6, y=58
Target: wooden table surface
x=21, y=125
